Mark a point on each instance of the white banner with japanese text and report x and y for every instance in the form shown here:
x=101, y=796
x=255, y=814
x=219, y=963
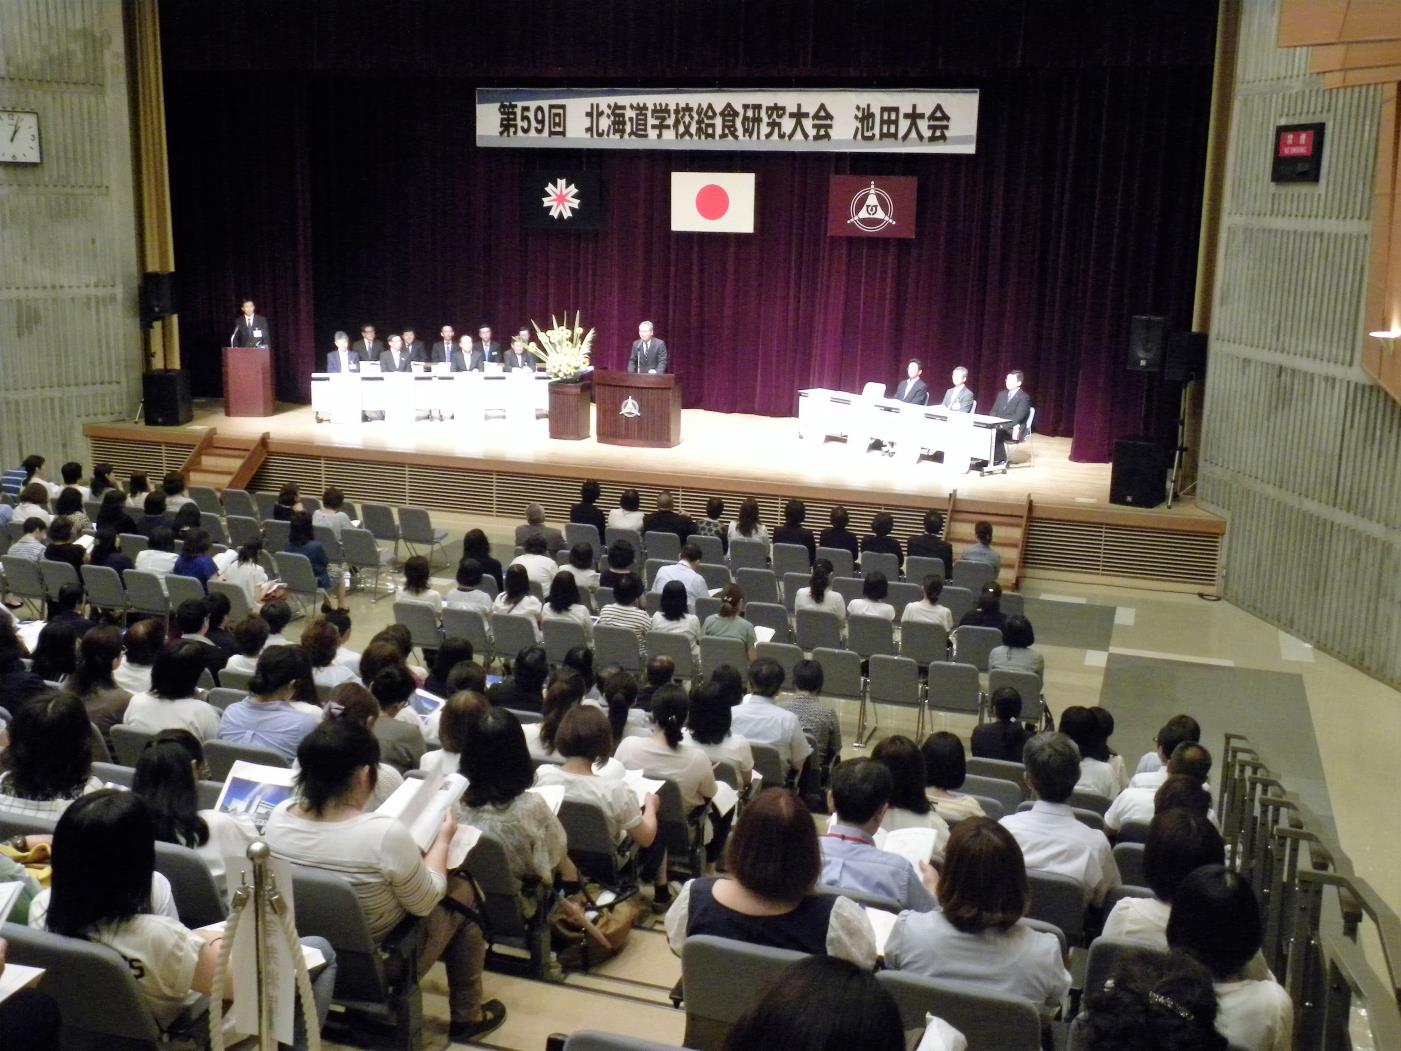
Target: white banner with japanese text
x=796, y=119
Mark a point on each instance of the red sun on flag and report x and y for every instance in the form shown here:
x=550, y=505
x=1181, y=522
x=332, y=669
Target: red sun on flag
x=712, y=202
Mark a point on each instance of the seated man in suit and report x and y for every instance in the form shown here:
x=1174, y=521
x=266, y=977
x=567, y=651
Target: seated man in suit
x=465, y=358
x=518, y=357
x=367, y=348
x=648, y=353
x=1014, y=406
x=489, y=349
x=959, y=398
x=665, y=519
x=913, y=389
x=342, y=359
x=442, y=350
x=414, y=345
x=396, y=358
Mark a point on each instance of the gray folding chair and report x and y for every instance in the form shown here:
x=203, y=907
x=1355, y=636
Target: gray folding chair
x=1007, y=794
x=895, y=681
x=239, y=502
x=592, y=847
x=1088, y=818
x=1093, y=801
x=880, y=562
x=792, y=584
x=785, y=653
x=791, y=558
x=683, y=835
x=514, y=913
x=716, y=576
x=958, y=601
x=331, y=543
x=214, y=526
x=1013, y=603
x=869, y=635
x=238, y=599
x=593, y=1040
x=917, y=567
x=746, y=553
x=988, y=1021
x=972, y=644
x=848, y=588
x=113, y=773
x=128, y=744
x=133, y=544
x=954, y=687
x=104, y=588
x=220, y=757
x=614, y=645
x=584, y=533
x=722, y=979
x=870, y=901
x=206, y=499
x=145, y=593
x=769, y=615
x=711, y=547
x=513, y=632
x=1058, y=900
x=1129, y=858
x=706, y=608
x=758, y=585
x=1133, y=832
x=652, y=567
x=663, y=545
x=678, y=648
x=416, y=530
x=241, y=530
x=196, y=895
x=182, y=589
x=973, y=575
x=265, y=503
x=1115, y=895
x=379, y=520
x=223, y=696
x=716, y=651
x=843, y=565
x=602, y=597
x=924, y=642
x=361, y=551
x=295, y=571
x=999, y=768
x=422, y=623
x=901, y=594
x=841, y=673
x=277, y=534
x=25, y=582
x=55, y=575
x=632, y=536
x=818, y=628
x=561, y=636
x=468, y=624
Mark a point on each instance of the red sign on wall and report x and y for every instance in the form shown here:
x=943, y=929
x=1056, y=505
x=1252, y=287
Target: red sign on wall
x=1298, y=153
x=1295, y=144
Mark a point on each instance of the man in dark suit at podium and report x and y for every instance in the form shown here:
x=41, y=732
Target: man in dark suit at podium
x=959, y=398
x=414, y=345
x=342, y=359
x=489, y=349
x=447, y=343
x=367, y=348
x=519, y=358
x=466, y=357
x=648, y=353
x=1014, y=406
x=251, y=329
x=913, y=389
x=396, y=358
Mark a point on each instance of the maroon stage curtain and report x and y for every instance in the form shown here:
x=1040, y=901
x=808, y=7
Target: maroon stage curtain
x=322, y=161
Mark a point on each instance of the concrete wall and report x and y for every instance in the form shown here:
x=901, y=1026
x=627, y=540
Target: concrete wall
x=70, y=343
x=1300, y=449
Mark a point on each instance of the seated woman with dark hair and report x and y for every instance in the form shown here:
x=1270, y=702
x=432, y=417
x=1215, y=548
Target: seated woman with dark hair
x=621, y=555
x=768, y=895
x=879, y=540
x=1015, y=653
x=62, y=547
x=112, y=832
x=457, y=722
x=268, y=716
x=1004, y=736
x=352, y=703
x=675, y=618
x=499, y=771
x=173, y=701
x=562, y=694
x=326, y=827
x=476, y=546
x=449, y=655
x=977, y=935
x=56, y=653
x=107, y=551
x=113, y=513
x=625, y=611
x=666, y=753
x=1216, y=920
x=945, y=770
x=99, y=654
x=17, y=682
x=515, y=598
x=165, y=779
x=321, y=641
x=418, y=585
x=1081, y=726
x=822, y=1002
x=1150, y=1001
x=872, y=603
x=909, y=807
x=195, y=559
x=301, y=540
x=187, y=520
x=708, y=728
x=469, y=593
x=988, y=612
x=1178, y=842
x=49, y=761
x=563, y=603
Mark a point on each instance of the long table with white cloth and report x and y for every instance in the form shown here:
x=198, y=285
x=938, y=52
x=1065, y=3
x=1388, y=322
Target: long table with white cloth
x=402, y=397
x=912, y=429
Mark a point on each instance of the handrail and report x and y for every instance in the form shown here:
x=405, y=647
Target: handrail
x=948, y=518
x=252, y=461
x=1021, y=543
x=195, y=453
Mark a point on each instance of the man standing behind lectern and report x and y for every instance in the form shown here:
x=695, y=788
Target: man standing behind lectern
x=648, y=353
x=251, y=329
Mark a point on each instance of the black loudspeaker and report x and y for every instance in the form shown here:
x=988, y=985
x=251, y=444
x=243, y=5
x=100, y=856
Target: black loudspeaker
x=1139, y=474
x=1186, y=356
x=166, y=393
x=157, y=297
x=1147, y=341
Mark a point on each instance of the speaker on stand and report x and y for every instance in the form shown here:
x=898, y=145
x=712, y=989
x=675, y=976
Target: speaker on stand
x=1185, y=363
x=1147, y=342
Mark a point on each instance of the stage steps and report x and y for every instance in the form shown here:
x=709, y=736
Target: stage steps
x=224, y=461
x=1010, y=526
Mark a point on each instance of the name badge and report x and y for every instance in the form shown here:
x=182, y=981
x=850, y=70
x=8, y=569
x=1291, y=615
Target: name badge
x=257, y=333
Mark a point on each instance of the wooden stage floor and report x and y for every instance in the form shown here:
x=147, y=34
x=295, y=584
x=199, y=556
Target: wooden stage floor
x=728, y=448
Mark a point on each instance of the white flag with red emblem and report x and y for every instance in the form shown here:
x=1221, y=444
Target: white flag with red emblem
x=713, y=202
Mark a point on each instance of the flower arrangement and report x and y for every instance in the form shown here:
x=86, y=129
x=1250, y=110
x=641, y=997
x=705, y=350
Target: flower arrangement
x=564, y=350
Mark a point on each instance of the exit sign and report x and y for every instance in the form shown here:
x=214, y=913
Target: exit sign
x=1298, y=153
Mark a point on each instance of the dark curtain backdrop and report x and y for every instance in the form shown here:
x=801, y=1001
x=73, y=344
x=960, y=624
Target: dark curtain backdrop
x=322, y=161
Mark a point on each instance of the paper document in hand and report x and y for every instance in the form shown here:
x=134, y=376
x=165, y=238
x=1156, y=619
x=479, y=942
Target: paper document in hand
x=642, y=787
x=912, y=844
x=463, y=840
x=17, y=976
x=9, y=894
x=254, y=791
x=270, y=587
x=882, y=923
x=725, y=798
x=553, y=795
x=763, y=632
x=420, y=803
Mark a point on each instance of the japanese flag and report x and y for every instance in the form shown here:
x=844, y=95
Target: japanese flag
x=713, y=202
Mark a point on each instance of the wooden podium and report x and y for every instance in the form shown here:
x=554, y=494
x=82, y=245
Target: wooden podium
x=248, y=382
x=569, y=409
x=638, y=409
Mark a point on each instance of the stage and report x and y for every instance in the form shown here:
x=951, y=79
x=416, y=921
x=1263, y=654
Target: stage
x=1061, y=508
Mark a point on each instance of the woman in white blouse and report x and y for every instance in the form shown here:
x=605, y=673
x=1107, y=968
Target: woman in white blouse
x=909, y=807
x=563, y=604
x=927, y=609
x=1080, y=724
x=247, y=573
x=418, y=587
x=628, y=513
x=581, y=565
x=173, y=702
x=33, y=503
x=49, y=761
x=872, y=601
x=673, y=618
x=819, y=594
x=515, y=597
x=321, y=641
x=708, y=728
x=746, y=525
x=1015, y=653
x=667, y=754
